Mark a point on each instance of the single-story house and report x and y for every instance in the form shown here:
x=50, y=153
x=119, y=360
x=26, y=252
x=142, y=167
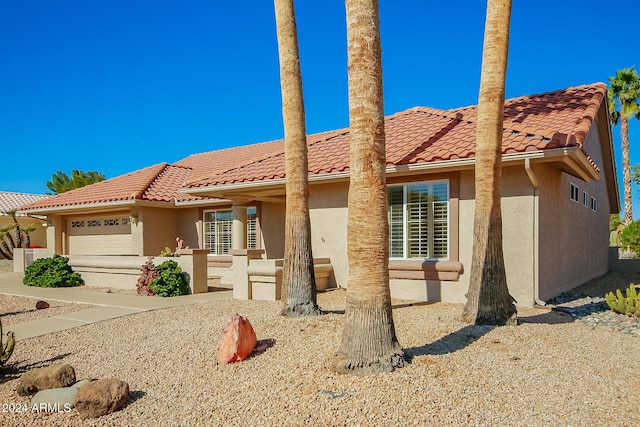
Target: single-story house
x=11, y=200
x=558, y=188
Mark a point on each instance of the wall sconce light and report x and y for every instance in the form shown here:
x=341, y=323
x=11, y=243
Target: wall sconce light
x=133, y=218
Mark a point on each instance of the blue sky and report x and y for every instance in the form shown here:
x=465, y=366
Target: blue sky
x=115, y=86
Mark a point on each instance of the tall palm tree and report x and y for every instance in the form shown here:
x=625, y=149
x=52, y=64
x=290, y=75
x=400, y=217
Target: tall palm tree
x=298, y=282
x=488, y=299
x=369, y=342
x=624, y=92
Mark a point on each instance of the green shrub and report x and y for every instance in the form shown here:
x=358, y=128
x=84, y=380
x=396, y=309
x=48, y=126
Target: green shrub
x=630, y=237
x=166, y=252
x=54, y=272
x=172, y=281
x=629, y=305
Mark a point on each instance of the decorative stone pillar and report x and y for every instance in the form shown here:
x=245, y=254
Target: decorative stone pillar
x=239, y=226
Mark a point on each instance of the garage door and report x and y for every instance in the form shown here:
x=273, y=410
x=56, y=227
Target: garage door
x=104, y=235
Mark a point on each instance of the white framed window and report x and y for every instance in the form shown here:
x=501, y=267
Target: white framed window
x=585, y=199
x=575, y=191
x=217, y=230
x=419, y=220
x=594, y=204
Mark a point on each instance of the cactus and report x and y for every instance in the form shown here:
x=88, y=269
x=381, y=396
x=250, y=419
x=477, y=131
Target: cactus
x=628, y=305
x=6, y=350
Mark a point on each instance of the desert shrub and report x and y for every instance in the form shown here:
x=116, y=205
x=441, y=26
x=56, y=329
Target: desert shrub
x=166, y=252
x=148, y=272
x=630, y=237
x=54, y=272
x=629, y=305
x=172, y=281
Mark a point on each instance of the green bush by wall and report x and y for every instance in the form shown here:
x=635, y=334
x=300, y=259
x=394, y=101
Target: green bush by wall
x=54, y=272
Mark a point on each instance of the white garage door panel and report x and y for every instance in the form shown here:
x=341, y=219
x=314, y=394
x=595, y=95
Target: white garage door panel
x=99, y=235
x=113, y=244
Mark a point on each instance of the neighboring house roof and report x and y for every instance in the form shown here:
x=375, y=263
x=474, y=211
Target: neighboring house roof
x=11, y=200
x=420, y=136
x=425, y=135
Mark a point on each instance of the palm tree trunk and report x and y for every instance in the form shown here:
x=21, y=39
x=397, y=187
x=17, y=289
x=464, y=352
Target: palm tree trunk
x=16, y=227
x=488, y=299
x=369, y=342
x=4, y=249
x=626, y=169
x=299, y=286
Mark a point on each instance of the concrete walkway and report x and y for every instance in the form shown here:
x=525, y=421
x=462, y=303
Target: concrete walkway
x=108, y=305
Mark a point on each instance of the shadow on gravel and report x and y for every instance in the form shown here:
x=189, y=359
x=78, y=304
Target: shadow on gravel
x=135, y=395
x=450, y=343
x=332, y=311
x=552, y=317
x=13, y=313
x=14, y=371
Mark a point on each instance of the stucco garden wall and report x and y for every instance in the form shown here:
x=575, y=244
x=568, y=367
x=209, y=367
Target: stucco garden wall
x=122, y=272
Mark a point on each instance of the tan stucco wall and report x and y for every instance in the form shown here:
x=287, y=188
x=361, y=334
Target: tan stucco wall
x=272, y=217
x=574, y=240
x=328, y=212
x=189, y=221
x=55, y=236
x=517, y=235
x=159, y=228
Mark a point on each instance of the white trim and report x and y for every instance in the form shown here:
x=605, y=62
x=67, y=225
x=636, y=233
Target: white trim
x=573, y=155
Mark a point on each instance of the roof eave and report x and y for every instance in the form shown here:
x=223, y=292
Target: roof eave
x=572, y=159
x=85, y=207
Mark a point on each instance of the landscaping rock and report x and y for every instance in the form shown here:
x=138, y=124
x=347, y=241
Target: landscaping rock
x=55, y=399
x=41, y=305
x=53, y=376
x=238, y=340
x=101, y=397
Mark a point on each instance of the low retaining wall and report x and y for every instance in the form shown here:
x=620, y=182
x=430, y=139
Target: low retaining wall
x=122, y=272
x=261, y=279
x=421, y=280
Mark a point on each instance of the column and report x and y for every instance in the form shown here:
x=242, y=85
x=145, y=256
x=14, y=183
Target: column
x=239, y=226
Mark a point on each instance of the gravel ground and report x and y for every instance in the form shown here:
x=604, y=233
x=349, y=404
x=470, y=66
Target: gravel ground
x=15, y=310
x=549, y=370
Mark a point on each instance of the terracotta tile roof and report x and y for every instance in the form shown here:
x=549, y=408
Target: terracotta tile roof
x=422, y=134
x=10, y=200
x=138, y=185
x=161, y=182
x=219, y=161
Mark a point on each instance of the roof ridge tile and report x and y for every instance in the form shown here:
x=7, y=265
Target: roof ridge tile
x=146, y=184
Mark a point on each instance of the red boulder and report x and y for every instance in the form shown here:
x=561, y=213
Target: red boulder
x=41, y=305
x=237, y=341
